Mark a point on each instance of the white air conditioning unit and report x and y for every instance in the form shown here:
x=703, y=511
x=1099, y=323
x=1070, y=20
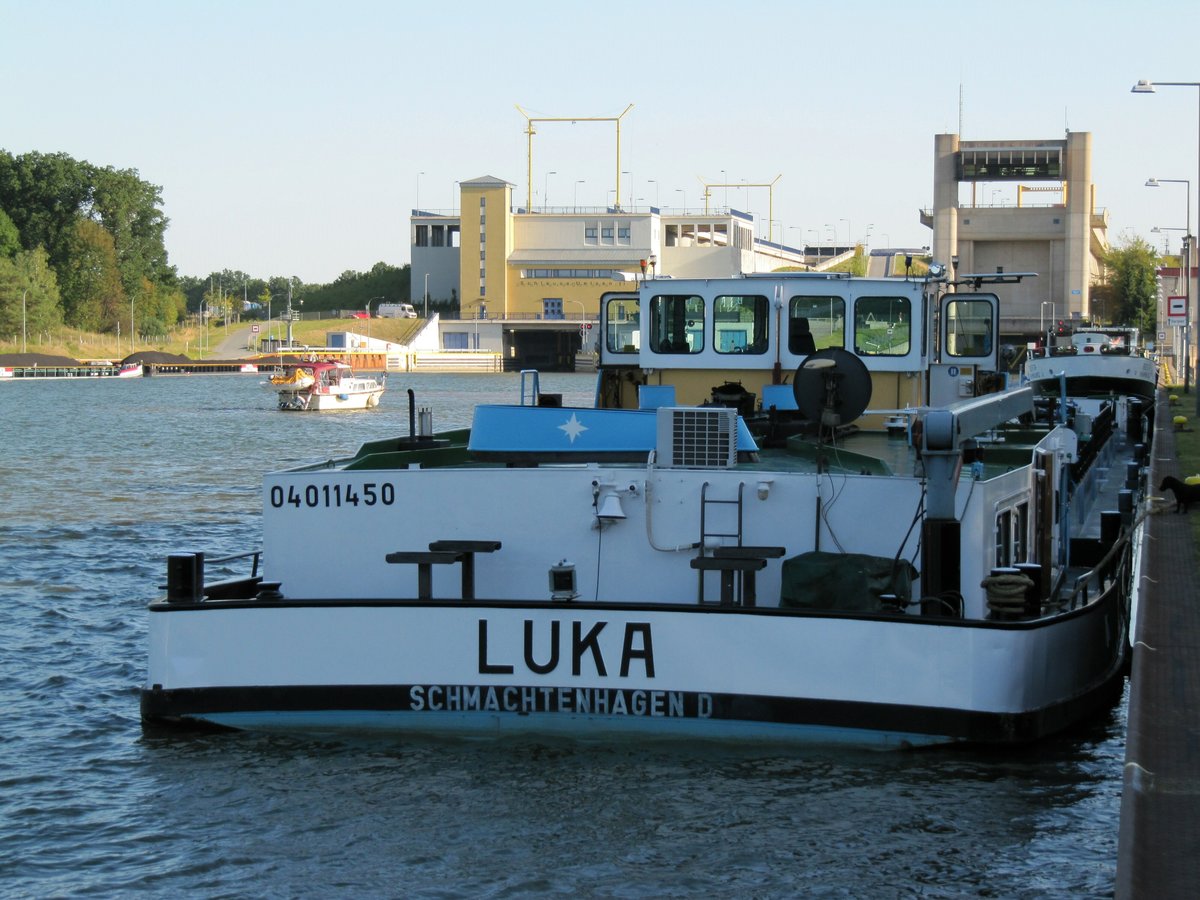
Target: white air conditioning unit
x=697, y=437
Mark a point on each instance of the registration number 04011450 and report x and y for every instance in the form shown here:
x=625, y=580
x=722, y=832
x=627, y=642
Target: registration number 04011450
x=332, y=495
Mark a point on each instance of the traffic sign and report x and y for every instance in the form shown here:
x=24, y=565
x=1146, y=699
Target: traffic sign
x=254, y=329
x=1177, y=311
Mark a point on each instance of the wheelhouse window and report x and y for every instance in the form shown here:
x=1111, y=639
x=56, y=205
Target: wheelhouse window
x=815, y=323
x=968, y=328
x=740, y=324
x=882, y=326
x=677, y=323
x=622, y=326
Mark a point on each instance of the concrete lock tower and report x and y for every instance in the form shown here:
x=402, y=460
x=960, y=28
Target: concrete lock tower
x=1021, y=206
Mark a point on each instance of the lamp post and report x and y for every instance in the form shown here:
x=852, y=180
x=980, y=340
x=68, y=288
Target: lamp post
x=1146, y=86
x=655, y=183
x=725, y=184
x=202, y=324
x=1042, y=323
x=24, y=294
x=630, y=174
x=368, y=311
x=131, y=323
x=1186, y=259
x=849, y=239
x=682, y=199
x=418, y=200
x=575, y=202
x=546, y=190
x=817, y=232
x=1186, y=268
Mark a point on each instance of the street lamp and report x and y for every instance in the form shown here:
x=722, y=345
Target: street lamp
x=725, y=184
x=546, y=190
x=1187, y=278
x=202, y=326
x=655, y=183
x=630, y=174
x=682, y=199
x=24, y=294
x=1042, y=323
x=1146, y=86
x=849, y=239
x=817, y=232
x=575, y=203
x=418, y=200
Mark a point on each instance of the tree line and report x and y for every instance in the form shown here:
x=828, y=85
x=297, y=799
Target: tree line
x=82, y=245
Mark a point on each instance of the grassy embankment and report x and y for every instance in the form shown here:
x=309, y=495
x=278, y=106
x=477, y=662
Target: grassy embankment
x=185, y=340
x=1187, y=448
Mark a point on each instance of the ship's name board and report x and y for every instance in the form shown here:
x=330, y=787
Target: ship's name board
x=543, y=653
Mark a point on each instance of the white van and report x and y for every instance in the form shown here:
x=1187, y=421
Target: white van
x=396, y=311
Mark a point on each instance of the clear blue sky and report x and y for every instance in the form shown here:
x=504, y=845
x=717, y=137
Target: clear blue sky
x=293, y=138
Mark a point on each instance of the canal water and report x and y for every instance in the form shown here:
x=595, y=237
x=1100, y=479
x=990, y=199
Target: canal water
x=101, y=478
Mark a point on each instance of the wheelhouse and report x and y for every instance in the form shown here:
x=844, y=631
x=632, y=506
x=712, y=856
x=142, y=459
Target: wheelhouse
x=687, y=340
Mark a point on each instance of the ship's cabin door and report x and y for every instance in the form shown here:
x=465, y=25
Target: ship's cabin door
x=966, y=347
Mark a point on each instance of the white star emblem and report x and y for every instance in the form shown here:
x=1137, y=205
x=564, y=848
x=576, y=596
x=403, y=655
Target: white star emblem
x=573, y=428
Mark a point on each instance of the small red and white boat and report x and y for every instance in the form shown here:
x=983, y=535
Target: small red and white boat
x=324, y=385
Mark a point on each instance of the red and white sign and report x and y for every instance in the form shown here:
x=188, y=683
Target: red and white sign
x=1177, y=311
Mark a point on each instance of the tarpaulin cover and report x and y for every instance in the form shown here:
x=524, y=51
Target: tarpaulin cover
x=851, y=582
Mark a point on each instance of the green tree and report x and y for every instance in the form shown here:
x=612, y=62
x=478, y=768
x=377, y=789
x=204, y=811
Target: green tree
x=10, y=238
x=1127, y=293
x=28, y=294
x=45, y=195
x=93, y=295
x=128, y=208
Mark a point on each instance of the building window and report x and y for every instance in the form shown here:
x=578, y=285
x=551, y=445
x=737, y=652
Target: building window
x=589, y=231
x=454, y=340
x=881, y=326
x=482, y=202
x=552, y=308
x=740, y=324
x=677, y=323
x=438, y=233
x=623, y=233
x=815, y=323
x=422, y=238
x=482, y=253
x=606, y=233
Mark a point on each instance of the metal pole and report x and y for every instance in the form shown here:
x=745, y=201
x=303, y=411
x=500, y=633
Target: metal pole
x=24, y=294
